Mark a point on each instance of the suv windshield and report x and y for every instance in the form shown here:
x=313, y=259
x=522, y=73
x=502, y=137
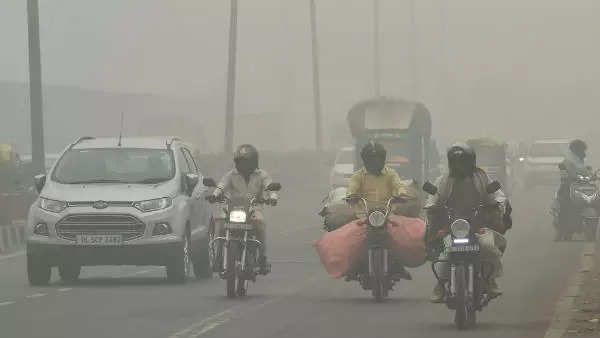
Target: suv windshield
x=115, y=165
x=548, y=149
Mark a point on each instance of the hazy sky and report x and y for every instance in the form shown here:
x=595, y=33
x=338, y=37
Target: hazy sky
x=502, y=65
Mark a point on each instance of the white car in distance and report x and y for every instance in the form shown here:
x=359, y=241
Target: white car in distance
x=343, y=168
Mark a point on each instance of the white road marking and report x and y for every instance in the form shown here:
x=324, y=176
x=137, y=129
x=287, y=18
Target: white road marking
x=36, y=295
x=13, y=255
x=208, y=324
x=6, y=303
x=192, y=331
x=65, y=289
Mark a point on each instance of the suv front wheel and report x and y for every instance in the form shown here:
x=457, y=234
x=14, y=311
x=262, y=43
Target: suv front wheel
x=178, y=270
x=38, y=271
x=69, y=273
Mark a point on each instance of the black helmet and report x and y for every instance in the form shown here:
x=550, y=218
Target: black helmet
x=373, y=155
x=461, y=160
x=578, y=147
x=246, y=159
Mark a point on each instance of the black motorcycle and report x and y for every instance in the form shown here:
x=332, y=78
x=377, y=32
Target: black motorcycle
x=238, y=251
x=584, y=198
x=375, y=274
x=465, y=291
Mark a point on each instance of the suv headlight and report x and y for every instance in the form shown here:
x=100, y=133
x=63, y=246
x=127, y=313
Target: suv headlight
x=52, y=205
x=153, y=205
x=237, y=216
x=460, y=228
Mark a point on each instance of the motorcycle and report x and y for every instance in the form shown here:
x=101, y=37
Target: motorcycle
x=375, y=275
x=465, y=291
x=585, y=200
x=238, y=249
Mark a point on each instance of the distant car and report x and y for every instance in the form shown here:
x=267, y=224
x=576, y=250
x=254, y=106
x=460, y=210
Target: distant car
x=131, y=202
x=343, y=168
x=540, y=165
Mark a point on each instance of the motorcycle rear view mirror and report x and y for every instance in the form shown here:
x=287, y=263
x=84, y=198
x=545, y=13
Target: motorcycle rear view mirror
x=493, y=187
x=429, y=188
x=209, y=182
x=274, y=187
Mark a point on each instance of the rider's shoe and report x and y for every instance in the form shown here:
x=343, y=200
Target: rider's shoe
x=438, y=293
x=400, y=274
x=493, y=289
x=264, y=267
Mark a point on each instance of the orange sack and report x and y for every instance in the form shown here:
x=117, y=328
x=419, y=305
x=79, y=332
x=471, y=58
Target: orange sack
x=407, y=240
x=341, y=248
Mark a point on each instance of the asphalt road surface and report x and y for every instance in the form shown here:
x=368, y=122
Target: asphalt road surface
x=298, y=299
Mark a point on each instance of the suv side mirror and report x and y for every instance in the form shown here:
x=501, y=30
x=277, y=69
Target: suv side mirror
x=493, y=187
x=273, y=187
x=429, y=188
x=191, y=181
x=209, y=182
x=40, y=182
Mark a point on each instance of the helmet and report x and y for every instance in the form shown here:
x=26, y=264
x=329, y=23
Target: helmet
x=578, y=147
x=373, y=155
x=461, y=160
x=246, y=159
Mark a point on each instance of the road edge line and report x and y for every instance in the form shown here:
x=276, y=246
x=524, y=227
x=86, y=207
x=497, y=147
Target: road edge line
x=563, y=310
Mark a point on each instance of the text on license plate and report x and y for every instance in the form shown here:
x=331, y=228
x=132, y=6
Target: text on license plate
x=464, y=248
x=99, y=239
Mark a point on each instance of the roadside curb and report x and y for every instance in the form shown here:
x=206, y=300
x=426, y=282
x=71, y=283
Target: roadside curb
x=563, y=311
x=12, y=237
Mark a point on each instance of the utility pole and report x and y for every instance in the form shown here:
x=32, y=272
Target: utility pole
x=316, y=78
x=35, y=89
x=414, y=51
x=376, y=58
x=230, y=105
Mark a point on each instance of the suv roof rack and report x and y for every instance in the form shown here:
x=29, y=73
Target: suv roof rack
x=79, y=140
x=171, y=140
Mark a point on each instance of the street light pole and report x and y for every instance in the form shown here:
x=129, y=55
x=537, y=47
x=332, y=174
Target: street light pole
x=376, y=58
x=231, y=67
x=35, y=89
x=316, y=78
x=414, y=50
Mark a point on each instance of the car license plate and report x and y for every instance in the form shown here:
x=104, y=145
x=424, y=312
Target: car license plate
x=99, y=240
x=465, y=248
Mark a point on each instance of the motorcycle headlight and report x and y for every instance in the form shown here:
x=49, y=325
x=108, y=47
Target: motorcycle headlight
x=377, y=219
x=153, y=205
x=52, y=205
x=460, y=228
x=237, y=216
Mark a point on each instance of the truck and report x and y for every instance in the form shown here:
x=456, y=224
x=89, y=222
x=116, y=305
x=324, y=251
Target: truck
x=402, y=127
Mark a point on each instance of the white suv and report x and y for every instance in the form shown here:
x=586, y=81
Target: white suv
x=111, y=201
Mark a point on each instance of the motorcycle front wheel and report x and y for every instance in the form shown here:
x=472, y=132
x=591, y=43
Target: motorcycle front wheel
x=378, y=286
x=233, y=256
x=464, y=317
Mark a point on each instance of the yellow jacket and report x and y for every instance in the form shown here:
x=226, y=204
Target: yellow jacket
x=377, y=189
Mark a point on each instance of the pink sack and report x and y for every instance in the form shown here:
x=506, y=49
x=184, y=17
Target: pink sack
x=340, y=248
x=407, y=240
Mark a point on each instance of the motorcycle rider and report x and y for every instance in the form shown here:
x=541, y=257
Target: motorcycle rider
x=463, y=189
x=245, y=180
x=572, y=165
x=377, y=183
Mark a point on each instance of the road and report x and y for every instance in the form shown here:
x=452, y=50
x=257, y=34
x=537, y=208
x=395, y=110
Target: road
x=298, y=299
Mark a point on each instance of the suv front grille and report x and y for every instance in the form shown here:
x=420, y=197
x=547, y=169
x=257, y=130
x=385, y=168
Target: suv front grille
x=100, y=224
